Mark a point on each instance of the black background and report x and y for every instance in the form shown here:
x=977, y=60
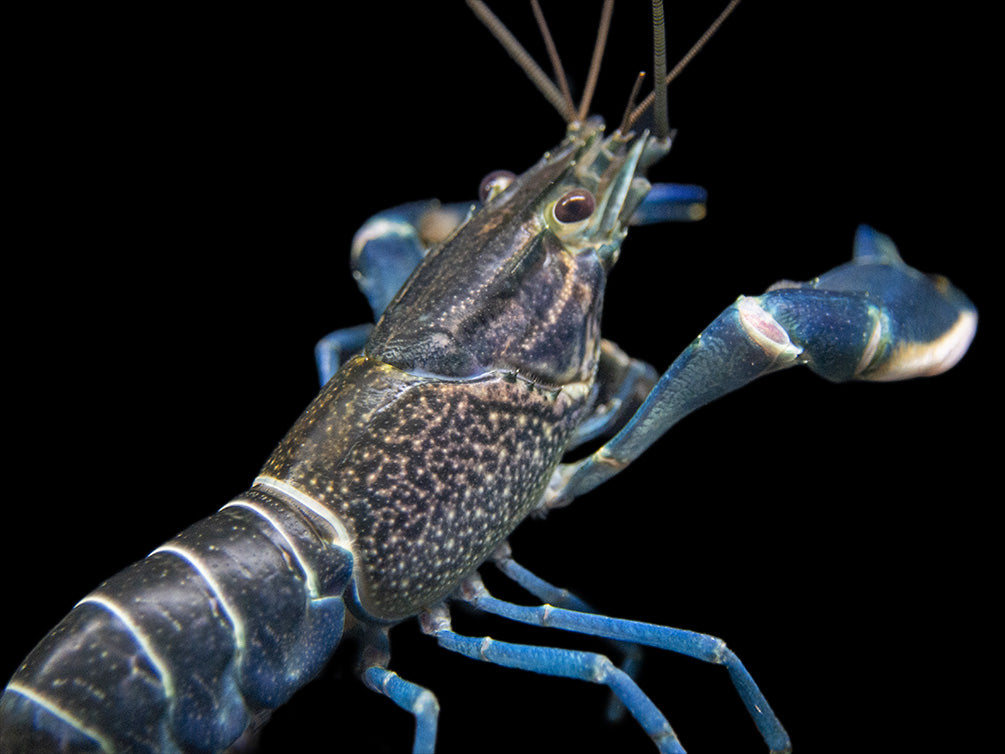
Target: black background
x=188, y=186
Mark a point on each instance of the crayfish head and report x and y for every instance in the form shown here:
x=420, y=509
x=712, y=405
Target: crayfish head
x=590, y=208
x=519, y=287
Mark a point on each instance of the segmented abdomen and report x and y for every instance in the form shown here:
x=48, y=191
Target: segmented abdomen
x=180, y=651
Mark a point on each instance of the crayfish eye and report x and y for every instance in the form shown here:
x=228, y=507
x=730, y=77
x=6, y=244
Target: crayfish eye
x=575, y=206
x=494, y=184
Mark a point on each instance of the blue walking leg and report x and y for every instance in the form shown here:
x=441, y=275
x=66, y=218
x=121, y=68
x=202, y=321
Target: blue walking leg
x=584, y=666
x=543, y=590
x=700, y=646
x=419, y=701
x=552, y=595
x=412, y=698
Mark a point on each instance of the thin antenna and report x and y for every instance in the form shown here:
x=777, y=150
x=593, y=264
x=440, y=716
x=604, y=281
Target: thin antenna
x=695, y=48
x=561, y=99
x=598, y=54
x=632, y=98
x=661, y=117
x=522, y=58
x=556, y=62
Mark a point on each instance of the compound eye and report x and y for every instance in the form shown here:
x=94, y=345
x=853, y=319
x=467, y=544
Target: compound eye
x=575, y=206
x=494, y=184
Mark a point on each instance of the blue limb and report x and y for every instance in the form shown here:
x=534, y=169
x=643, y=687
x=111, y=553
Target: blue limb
x=385, y=251
x=584, y=666
x=622, y=385
x=335, y=348
x=874, y=318
x=419, y=701
x=671, y=202
x=543, y=590
x=392, y=243
x=412, y=698
x=700, y=646
x=550, y=594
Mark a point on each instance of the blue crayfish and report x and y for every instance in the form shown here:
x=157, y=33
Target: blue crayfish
x=437, y=432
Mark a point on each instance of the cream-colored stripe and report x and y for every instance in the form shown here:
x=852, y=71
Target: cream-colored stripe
x=200, y=567
x=155, y=659
x=929, y=359
x=53, y=708
x=342, y=538
x=312, y=581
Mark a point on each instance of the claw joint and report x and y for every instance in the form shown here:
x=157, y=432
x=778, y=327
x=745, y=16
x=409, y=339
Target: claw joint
x=765, y=331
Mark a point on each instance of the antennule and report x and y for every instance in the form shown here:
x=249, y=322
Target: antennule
x=632, y=98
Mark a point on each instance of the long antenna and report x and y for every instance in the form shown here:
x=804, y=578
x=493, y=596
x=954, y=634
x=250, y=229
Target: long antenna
x=661, y=116
x=598, y=54
x=522, y=58
x=559, y=96
x=695, y=48
x=556, y=61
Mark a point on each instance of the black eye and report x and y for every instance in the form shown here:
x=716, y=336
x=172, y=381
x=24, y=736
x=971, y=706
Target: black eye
x=494, y=184
x=575, y=206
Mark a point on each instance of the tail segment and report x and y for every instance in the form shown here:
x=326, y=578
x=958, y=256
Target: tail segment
x=180, y=651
